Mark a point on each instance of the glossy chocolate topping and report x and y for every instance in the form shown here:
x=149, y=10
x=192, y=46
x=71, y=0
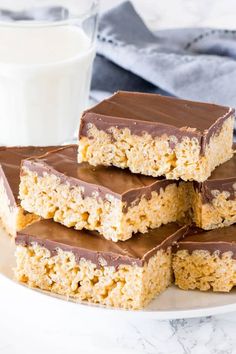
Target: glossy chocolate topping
x=221, y=240
x=223, y=178
x=10, y=161
x=156, y=115
x=123, y=184
x=92, y=246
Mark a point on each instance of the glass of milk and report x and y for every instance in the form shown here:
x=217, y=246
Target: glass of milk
x=46, y=55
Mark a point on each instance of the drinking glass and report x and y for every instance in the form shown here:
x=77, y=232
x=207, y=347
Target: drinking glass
x=47, y=49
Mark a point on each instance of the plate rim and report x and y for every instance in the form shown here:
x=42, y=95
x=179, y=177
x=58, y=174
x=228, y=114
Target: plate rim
x=144, y=313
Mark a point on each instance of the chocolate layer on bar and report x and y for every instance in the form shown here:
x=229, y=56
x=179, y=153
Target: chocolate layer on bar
x=157, y=115
x=221, y=240
x=90, y=245
x=10, y=162
x=223, y=178
x=96, y=181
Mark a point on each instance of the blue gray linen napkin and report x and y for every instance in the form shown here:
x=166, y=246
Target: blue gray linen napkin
x=193, y=63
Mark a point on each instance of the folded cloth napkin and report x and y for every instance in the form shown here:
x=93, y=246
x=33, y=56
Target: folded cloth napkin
x=196, y=64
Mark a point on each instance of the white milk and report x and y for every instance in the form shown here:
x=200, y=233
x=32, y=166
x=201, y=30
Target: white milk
x=44, y=83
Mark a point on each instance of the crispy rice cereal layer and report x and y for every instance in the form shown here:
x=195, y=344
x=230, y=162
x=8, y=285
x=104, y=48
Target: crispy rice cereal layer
x=154, y=156
x=129, y=287
x=204, y=271
x=48, y=197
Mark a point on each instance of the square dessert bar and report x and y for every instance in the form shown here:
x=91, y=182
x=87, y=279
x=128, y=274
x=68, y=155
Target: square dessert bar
x=12, y=216
x=157, y=136
x=214, y=201
x=85, y=266
x=114, y=202
x=206, y=260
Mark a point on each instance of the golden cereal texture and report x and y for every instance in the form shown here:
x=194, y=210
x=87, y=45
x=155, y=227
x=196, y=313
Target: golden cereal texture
x=128, y=286
x=153, y=156
x=13, y=217
x=48, y=197
x=204, y=271
x=219, y=212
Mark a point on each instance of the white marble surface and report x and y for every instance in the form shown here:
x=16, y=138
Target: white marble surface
x=35, y=328
x=50, y=326
x=183, y=13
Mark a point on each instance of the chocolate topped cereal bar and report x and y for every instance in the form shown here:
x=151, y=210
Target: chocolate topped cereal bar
x=206, y=260
x=214, y=200
x=112, y=201
x=12, y=216
x=157, y=136
x=86, y=266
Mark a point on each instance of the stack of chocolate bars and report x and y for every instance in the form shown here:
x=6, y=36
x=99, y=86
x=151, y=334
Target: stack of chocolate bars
x=147, y=196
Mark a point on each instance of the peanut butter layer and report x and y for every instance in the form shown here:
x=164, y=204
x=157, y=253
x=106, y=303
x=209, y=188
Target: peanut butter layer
x=92, y=246
x=96, y=181
x=10, y=161
x=156, y=115
x=219, y=240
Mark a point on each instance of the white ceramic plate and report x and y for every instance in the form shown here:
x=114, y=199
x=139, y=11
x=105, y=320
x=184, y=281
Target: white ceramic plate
x=172, y=304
